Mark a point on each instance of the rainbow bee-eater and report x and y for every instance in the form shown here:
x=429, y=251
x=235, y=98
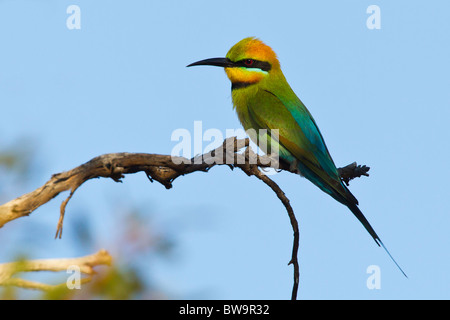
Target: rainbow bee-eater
x=263, y=99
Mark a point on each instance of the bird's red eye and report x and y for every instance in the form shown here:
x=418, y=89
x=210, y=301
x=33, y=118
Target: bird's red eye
x=249, y=62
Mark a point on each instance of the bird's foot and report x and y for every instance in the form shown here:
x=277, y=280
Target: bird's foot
x=293, y=167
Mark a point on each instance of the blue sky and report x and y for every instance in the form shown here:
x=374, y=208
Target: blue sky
x=380, y=97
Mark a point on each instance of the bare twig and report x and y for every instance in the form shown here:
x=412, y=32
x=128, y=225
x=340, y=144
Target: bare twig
x=85, y=265
x=352, y=171
x=164, y=169
x=253, y=170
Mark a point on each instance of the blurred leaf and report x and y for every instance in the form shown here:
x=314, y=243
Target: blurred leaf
x=17, y=157
x=8, y=293
x=115, y=283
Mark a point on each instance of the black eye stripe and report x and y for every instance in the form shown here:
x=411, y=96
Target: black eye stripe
x=263, y=65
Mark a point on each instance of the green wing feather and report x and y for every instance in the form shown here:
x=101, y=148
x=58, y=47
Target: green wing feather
x=300, y=140
x=299, y=135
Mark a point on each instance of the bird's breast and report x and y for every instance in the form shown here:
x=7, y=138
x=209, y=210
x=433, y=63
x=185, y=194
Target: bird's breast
x=241, y=100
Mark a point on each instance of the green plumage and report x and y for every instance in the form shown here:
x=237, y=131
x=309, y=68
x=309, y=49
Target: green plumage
x=260, y=106
x=264, y=100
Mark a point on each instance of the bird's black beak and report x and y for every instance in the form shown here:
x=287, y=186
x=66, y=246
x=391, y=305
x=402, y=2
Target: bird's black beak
x=218, y=62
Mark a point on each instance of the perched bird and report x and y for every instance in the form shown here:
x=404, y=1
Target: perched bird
x=263, y=99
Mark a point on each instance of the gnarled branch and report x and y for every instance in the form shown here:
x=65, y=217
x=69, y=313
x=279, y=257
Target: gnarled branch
x=164, y=169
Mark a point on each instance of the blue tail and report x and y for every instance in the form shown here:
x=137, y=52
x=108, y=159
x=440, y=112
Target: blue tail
x=340, y=192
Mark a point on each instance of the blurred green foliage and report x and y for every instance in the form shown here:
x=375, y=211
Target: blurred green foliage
x=17, y=157
x=135, y=243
